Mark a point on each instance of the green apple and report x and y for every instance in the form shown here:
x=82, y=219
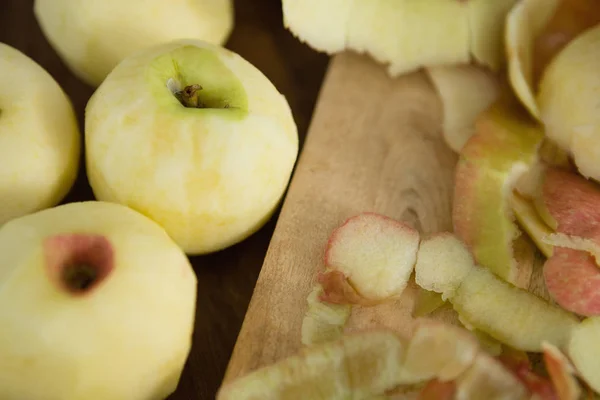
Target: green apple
x=39, y=137
x=97, y=303
x=196, y=138
x=93, y=36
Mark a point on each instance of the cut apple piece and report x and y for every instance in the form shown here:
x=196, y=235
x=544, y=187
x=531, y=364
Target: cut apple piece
x=465, y=91
x=426, y=302
x=438, y=350
x=355, y=366
x=443, y=262
x=370, y=259
x=584, y=351
x=531, y=222
x=526, y=20
x=568, y=101
x=562, y=373
x=503, y=148
x=323, y=321
x=511, y=315
x=322, y=25
x=489, y=379
x=573, y=280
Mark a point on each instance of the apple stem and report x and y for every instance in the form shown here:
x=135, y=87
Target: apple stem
x=79, y=277
x=189, y=96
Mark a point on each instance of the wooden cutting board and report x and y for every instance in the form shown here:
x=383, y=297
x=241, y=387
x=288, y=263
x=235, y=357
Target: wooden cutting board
x=374, y=144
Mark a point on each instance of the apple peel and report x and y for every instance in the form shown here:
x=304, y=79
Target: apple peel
x=368, y=364
x=323, y=321
x=561, y=372
x=502, y=150
x=465, y=91
x=573, y=202
x=584, y=352
x=443, y=262
x=426, y=302
x=486, y=22
x=571, y=116
x=524, y=23
x=360, y=365
x=488, y=378
x=438, y=390
x=369, y=259
x=438, y=351
x=573, y=281
x=531, y=222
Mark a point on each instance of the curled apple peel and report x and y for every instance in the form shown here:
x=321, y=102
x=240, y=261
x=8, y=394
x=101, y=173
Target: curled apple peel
x=503, y=149
x=465, y=91
x=562, y=373
x=525, y=21
x=323, y=321
x=369, y=259
x=508, y=314
x=449, y=32
x=584, y=351
x=368, y=364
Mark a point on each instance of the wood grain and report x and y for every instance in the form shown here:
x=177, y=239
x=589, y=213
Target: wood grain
x=374, y=144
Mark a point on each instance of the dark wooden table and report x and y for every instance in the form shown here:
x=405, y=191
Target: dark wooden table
x=225, y=279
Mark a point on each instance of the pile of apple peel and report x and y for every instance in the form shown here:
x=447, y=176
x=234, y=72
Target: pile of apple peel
x=521, y=111
x=442, y=361
x=369, y=260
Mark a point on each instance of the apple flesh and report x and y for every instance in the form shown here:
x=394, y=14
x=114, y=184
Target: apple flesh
x=93, y=36
x=99, y=303
x=194, y=137
x=508, y=314
x=39, y=137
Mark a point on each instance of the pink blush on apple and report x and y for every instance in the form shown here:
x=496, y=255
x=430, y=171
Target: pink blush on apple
x=78, y=263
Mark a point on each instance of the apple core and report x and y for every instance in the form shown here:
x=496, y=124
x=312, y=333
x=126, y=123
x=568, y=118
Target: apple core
x=78, y=263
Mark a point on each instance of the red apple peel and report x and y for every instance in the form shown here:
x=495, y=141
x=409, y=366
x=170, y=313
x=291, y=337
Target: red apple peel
x=562, y=373
x=573, y=280
x=369, y=260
